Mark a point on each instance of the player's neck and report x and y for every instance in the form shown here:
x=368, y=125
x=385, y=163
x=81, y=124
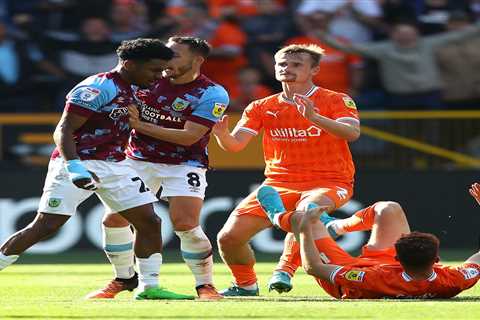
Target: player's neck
x=291, y=88
x=419, y=275
x=123, y=74
x=186, y=78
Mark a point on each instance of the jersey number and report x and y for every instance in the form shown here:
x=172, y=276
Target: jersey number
x=193, y=179
x=142, y=188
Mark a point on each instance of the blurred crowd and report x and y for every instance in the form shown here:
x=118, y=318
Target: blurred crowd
x=387, y=54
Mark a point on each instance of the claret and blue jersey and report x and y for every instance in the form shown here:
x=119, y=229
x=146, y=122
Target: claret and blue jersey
x=102, y=98
x=170, y=106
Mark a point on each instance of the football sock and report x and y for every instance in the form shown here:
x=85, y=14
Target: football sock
x=148, y=270
x=197, y=254
x=244, y=275
x=118, y=246
x=360, y=221
x=290, y=259
x=5, y=261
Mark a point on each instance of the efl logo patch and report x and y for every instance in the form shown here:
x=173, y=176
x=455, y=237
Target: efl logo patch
x=179, y=104
x=88, y=94
x=349, y=103
x=469, y=273
x=355, y=275
x=54, y=202
x=218, y=109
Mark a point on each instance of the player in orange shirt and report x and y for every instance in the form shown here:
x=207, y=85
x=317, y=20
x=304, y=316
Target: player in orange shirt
x=305, y=142
x=395, y=263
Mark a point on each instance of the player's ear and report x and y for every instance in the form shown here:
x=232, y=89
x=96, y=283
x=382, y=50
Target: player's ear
x=199, y=60
x=437, y=259
x=396, y=258
x=315, y=70
x=128, y=65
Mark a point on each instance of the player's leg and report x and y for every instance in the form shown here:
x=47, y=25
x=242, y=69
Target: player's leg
x=42, y=226
x=327, y=198
x=290, y=260
x=387, y=222
x=233, y=244
x=123, y=191
x=246, y=220
x=195, y=246
x=118, y=239
x=184, y=187
x=118, y=247
x=59, y=201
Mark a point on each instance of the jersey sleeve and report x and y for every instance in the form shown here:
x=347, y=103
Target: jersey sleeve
x=211, y=106
x=343, y=107
x=90, y=96
x=251, y=120
x=466, y=275
x=361, y=278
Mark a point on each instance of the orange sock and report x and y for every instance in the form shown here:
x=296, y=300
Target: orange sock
x=290, y=259
x=360, y=221
x=244, y=274
x=284, y=221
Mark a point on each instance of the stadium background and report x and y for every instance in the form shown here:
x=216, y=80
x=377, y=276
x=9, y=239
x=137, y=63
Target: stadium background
x=424, y=156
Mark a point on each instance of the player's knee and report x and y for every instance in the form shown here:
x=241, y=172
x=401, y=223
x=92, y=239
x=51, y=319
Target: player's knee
x=182, y=223
x=114, y=220
x=151, y=225
x=226, y=239
x=46, y=227
x=390, y=209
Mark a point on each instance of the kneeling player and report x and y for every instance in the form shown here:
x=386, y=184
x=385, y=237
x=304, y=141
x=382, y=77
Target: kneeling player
x=395, y=263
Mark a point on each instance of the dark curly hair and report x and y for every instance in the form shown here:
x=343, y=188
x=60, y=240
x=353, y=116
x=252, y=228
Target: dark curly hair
x=417, y=250
x=196, y=45
x=144, y=49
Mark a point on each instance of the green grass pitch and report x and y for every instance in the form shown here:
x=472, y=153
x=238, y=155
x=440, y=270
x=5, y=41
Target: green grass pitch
x=56, y=291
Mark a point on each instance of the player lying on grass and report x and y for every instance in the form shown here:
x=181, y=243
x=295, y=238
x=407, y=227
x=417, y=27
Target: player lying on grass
x=395, y=263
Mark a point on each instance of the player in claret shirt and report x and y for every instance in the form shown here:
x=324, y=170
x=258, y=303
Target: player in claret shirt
x=395, y=263
x=306, y=130
x=168, y=147
x=91, y=138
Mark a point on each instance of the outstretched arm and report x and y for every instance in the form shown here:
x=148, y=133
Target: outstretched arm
x=475, y=192
x=235, y=141
x=311, y=261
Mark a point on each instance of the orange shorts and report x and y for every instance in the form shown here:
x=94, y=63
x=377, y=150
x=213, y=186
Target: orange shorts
x=292, y=195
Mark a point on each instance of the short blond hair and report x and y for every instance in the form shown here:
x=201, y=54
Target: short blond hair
x=316, y=52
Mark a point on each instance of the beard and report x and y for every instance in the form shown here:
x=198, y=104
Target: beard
x=181, y=70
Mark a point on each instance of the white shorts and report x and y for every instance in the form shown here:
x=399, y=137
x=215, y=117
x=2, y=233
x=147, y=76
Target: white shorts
x=175, y=179
x=120, y=188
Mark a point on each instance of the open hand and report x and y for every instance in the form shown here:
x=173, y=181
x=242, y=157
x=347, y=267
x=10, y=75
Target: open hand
x=475, y=191
x=305, y=106
x=221, y=127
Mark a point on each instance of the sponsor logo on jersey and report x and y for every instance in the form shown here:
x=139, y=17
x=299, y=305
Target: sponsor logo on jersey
x=88, y=94
x=469, y=273
x=179, y=104
x=54, y=202
x=218, y=109
x=349, y=103
x=118, y=113
x=294, y=133
x=355, y=275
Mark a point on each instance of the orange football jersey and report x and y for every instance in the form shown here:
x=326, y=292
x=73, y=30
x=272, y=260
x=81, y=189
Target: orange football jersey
x=391, y=281
x=295, y=150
